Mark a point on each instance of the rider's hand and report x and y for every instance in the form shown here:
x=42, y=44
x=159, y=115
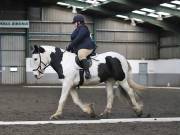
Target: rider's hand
x=69, y=48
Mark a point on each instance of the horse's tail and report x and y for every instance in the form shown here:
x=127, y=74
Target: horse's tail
x=131, y=82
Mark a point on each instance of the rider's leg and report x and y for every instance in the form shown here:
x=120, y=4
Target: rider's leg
x=82, y=55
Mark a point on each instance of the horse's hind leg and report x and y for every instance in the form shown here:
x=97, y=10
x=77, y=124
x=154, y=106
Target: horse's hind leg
x=110, y=98
x=87, y=108
x=137, y=107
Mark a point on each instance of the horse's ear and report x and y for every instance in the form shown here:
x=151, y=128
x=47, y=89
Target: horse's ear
x=35, y=49
x=41, y=50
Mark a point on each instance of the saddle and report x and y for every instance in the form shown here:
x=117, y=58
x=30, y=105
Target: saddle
x=79, y=63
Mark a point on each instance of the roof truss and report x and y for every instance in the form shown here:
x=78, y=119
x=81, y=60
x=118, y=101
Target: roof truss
x=134, y=5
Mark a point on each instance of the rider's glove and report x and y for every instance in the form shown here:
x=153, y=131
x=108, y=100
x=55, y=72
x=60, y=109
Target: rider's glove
x=69, y=48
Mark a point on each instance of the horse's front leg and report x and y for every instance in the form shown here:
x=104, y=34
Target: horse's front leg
x=87, y=108
x=110, y=98
x=66, y=87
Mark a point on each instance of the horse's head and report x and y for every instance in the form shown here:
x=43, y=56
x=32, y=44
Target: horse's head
x=39, y=61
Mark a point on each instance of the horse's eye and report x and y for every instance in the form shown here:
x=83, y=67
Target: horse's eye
x=35, y=59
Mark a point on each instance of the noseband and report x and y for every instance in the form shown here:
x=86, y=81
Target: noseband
x=39, y=68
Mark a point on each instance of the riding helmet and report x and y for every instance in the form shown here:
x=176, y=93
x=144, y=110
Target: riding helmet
x=78, y=18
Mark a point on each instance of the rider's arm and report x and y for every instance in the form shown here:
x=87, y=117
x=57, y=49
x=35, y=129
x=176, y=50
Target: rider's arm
x=82, y=33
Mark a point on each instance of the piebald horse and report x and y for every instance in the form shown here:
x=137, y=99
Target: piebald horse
x=109, y=67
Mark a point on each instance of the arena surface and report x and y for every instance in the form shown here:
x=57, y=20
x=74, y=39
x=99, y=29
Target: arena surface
x=18, y=103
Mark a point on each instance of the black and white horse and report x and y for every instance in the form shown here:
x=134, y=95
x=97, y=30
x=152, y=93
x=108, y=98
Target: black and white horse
x=110, y=68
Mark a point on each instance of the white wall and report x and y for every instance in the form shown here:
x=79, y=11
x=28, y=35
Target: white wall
x=171, y=66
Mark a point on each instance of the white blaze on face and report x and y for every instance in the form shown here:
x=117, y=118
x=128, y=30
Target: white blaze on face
x=35, y=65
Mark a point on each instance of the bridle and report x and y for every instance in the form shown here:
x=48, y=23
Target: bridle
x=39, y=68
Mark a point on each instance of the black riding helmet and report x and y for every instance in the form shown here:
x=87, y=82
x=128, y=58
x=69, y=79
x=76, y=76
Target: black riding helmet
x=78, y=18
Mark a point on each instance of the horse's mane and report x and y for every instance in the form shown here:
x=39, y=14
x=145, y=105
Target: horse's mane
x=51, y=48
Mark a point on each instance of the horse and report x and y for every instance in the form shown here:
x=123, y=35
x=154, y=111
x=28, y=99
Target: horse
x=110, y=68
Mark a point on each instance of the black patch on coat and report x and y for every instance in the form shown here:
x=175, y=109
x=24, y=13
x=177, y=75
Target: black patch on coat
x=115, y=67
x=56, y=59
x=103, y=72
x=38, y=49
x=111, y=69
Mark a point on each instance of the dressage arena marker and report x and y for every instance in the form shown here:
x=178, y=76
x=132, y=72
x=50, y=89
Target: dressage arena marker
x=101, y=121
x=99, y=87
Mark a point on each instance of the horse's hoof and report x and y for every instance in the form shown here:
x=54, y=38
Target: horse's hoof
x=92, y=113
x=54, y=117
x=101, y=115
x=139, y=114
x=148, y=115
x=104, y=115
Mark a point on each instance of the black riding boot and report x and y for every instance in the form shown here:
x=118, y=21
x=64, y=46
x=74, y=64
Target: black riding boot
x=86, y=68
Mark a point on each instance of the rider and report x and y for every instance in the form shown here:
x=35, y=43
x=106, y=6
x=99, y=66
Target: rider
x=81, y=43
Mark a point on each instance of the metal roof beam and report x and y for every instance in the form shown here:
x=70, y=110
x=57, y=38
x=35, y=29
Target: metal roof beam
x=101, y=10
x=76, y=3
x=135, y=5
x=154, y=21
x=172, y=11
x=162, y=24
